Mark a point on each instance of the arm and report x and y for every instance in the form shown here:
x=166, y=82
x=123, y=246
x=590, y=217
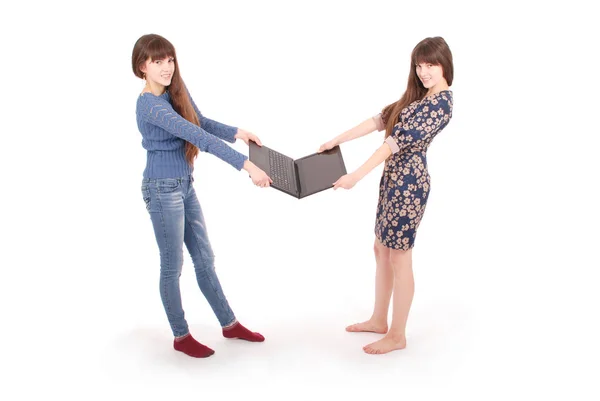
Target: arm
x=420, y=130
x=362, y=129
x=349, y=180
x=218, y=129
x=375, y=160
x=160, y=113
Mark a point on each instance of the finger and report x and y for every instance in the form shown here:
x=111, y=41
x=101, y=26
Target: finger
x=258, y=142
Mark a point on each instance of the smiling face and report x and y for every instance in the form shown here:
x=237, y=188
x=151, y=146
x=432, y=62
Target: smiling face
x=431, y=61
x=159, y=72
x=431, y=75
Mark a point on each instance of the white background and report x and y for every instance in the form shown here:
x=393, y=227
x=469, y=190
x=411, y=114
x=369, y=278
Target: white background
x=505, y=266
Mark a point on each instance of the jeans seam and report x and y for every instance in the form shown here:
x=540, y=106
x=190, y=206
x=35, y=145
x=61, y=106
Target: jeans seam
x=222, y=299
x=168, y=252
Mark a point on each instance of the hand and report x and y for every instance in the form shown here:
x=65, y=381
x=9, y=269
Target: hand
x=258, y=176
x=346, y=181
x=247, y=137
x=328, y=145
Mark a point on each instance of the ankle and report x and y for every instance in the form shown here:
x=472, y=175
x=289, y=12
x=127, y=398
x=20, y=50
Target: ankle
x=231, y=325
x=397, y=336
x=183, y=337
x=378, y=320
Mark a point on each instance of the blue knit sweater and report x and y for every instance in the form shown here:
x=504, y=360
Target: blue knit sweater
x=164, y=133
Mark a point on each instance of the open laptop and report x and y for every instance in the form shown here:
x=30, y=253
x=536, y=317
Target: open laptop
x=303, y=177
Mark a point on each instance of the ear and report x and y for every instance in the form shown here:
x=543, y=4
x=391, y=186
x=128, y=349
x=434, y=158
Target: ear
x=144, y=66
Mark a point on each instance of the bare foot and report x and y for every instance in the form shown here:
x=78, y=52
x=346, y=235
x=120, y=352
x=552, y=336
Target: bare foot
x=385, y=345
x=368, y=326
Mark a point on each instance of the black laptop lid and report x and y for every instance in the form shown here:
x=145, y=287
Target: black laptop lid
x=319, y=171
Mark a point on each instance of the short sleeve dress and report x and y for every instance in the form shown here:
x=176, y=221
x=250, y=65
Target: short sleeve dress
x=404, y=186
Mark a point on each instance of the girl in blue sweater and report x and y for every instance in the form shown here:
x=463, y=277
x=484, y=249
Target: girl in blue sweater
x=173, y=132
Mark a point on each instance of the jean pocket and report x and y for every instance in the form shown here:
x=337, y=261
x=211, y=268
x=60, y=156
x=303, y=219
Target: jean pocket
x=146, y=196
x=147, y=202
x=167, y=185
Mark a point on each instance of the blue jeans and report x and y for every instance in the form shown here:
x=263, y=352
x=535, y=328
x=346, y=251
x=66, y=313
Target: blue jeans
x=177, y=219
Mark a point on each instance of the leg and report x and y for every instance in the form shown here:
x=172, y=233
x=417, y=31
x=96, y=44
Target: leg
x=164, y=201
x=384, y=284
x=196, y=240
x=197, y=243
x=404, y=289
x=165, y=205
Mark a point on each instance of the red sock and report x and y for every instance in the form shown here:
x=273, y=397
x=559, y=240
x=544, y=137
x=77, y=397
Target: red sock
x=188, y=345
x=239, y=331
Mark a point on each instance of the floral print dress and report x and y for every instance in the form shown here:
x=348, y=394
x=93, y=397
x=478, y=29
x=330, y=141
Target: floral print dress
x=404, y=186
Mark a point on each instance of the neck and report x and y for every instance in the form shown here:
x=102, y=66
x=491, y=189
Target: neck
x=441, y=86
x=154, y=88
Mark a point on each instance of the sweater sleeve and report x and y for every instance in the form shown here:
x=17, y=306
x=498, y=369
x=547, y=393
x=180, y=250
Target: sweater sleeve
x=160, y=113
x=421, y=129
x=218, y=129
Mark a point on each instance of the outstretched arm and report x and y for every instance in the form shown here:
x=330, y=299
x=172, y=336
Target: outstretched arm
x=362, y=129
x=220, y=130
x=160, y=113
x=349, y=180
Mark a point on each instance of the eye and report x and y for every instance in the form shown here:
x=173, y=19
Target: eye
x=429, y=65
x=171, y=60
x=158, y=61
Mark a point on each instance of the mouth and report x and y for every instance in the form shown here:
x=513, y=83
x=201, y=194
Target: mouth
x=166, y=76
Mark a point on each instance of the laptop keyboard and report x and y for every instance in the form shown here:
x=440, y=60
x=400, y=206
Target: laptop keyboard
x=280, y=170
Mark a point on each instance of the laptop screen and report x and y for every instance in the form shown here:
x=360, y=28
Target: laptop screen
x=319, y=171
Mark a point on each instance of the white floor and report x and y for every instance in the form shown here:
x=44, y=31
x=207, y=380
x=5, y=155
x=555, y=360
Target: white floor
x=486, y=337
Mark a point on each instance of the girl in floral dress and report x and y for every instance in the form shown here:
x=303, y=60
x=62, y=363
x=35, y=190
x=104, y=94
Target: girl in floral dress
x=410, y=125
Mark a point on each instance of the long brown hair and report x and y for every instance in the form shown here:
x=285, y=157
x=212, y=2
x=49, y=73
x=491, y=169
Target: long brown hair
x=155, y=47
x=429, y=50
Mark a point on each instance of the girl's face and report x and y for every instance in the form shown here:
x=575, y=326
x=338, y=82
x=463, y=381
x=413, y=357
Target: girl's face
x=159, y=71
x=430, y=75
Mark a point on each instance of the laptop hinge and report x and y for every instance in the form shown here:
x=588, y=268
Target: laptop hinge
x=297, y=178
